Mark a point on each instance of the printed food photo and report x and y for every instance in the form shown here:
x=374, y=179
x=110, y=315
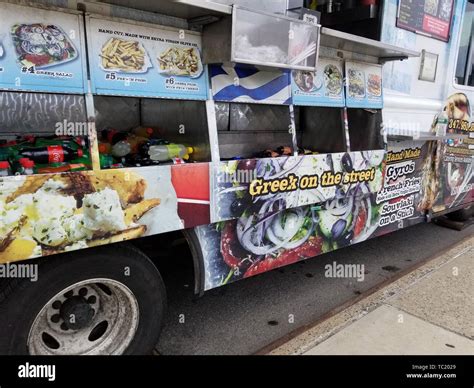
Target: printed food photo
x=42, y=45
x=333, y=80
x=125, y=56
x=374, y=85
x=181, y=61
x=356, y=83
x=307, y=81
x=431, y=7
x=56, y=213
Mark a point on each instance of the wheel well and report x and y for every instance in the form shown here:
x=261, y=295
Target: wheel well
x=181, y=245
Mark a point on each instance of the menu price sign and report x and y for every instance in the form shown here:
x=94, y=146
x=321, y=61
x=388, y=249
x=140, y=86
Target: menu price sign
x=325, y=87
x=364, y=85
x=41, y=50
x=430, y=17
x=136, y=60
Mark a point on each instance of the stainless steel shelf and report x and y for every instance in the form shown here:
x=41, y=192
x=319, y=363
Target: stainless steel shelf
x=358, y=44
x=184, y=9
x=425, y=137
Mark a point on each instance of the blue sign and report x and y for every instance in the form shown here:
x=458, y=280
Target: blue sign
x=41, y=50
x=364, y=85
x=135, y=60
x=325, y=87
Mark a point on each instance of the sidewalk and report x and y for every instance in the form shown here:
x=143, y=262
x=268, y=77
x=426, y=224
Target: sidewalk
x=428, y=311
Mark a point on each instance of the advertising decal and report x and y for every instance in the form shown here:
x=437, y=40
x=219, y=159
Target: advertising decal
x=453, y=175
x=325, y=87
x=430, y=17
x=275, y=224
x=133, y=60
x=364, y=85
x=54, y=213
x=255, y=243
x=41, y=50
x=269, y=184
x=401, y=196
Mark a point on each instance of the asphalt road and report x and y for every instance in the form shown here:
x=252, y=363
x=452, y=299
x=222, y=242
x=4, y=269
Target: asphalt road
x=246, y=316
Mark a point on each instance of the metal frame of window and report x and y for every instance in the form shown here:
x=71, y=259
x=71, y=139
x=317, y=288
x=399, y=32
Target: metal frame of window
x=469, y=59
x=468, y=68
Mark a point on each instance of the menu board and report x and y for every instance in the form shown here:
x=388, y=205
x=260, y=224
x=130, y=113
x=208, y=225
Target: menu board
x=430, y=17
x=41, y=50
x=325, y=87
x=134, y=60
x=364, y=85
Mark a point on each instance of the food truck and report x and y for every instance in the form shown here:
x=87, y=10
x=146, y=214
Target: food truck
x=263, y=132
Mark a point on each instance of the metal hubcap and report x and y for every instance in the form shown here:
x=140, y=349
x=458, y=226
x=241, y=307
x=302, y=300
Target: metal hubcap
x=76, y=307
x=96, y=316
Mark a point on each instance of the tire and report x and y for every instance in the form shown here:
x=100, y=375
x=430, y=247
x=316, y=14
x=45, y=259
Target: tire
x=134, y=309
x=462, y=214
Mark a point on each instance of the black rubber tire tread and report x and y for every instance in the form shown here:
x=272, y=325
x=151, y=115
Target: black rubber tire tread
x=21, y=299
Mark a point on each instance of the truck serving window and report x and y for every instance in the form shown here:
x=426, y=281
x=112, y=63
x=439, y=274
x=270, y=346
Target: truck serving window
x=465, y=65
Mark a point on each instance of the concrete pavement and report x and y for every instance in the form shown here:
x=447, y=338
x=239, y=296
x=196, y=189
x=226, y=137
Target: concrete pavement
x=428, y=311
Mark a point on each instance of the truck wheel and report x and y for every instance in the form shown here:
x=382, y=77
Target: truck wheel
x=461, y=214
x=110, y=300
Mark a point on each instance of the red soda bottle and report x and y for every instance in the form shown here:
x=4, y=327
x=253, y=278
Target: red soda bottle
x=51, y=154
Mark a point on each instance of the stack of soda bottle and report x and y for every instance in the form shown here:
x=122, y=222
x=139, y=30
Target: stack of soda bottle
x=138, y=147
x=27, y=155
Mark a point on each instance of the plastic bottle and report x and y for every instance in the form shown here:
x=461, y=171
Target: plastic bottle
x=5, y=153
x=27, y=166
x=5, y=169
x=51, y=154
x=136, y=141
x=166, y=152
x=112, y=136
x=269, y=154
x=285, y=150
x=126, y=146
x=106, y=161
x=305, y=151
x=121, y=149
x=442, y=124
x=71, y=142
x=105, y=148
x=138, y=160
x=146, y=132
